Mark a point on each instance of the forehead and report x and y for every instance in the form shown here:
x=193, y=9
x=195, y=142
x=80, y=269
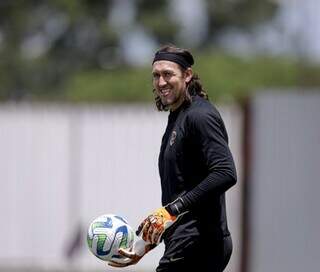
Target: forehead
x=162, y=65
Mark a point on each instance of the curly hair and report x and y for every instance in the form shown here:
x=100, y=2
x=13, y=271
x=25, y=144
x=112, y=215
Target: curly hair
x=194, y=86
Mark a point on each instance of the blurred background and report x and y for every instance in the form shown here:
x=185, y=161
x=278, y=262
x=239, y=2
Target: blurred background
x=80, y=135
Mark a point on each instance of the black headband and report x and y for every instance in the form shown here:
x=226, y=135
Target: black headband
x=171, y=56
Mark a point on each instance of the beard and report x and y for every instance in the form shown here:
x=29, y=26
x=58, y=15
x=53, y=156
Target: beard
x=170, y=99
x=173, y=100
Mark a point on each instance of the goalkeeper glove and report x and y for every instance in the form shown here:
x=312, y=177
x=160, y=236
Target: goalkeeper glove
x=153, y=227
x=133, y=255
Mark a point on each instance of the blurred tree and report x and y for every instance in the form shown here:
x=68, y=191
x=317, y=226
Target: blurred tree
x=244, y=14
x=154, y=16
x=43, y=43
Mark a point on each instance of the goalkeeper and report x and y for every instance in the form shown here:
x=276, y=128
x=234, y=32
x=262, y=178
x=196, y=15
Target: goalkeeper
x=196, y=169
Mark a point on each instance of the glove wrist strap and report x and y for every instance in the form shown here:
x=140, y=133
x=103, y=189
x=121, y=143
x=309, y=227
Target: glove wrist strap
x=176, y=207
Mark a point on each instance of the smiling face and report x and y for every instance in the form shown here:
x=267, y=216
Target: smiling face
x=170, y=82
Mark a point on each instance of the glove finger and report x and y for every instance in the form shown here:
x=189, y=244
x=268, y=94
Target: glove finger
x=145, y=230
x=156, y=234
x=159, y=238
x=127, y=253
x=144, y=222
x=122, y=262
x=114, y=264
x=153, y=236
x=150, y=232
x=139, y=230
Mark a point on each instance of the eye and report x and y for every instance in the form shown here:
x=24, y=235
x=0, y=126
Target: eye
x=155, y=76
x=167, y=74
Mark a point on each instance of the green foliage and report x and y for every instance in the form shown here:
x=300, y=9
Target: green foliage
x=154, y=16
x=80, y=48
x=110, y=85
x=241, y=13
x=77, y=42
x=75, y=37
x=226, y=78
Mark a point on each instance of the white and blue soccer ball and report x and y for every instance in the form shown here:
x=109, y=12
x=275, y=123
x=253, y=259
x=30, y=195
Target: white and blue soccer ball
x=108, y=233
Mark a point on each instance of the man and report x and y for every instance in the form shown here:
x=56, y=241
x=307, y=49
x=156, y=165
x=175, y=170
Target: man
x=196, y=169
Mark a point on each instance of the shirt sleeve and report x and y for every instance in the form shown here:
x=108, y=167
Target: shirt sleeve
x=208, y=132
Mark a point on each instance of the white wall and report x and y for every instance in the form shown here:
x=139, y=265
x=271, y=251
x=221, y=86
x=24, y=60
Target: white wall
x=284, y=182
x=62, y=166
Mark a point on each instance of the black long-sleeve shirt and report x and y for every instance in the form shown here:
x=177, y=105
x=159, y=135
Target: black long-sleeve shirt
x=195, y=163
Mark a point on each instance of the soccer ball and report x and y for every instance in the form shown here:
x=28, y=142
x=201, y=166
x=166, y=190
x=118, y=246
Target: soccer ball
x=108, y=233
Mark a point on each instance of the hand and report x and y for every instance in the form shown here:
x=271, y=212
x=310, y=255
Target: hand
x=132, y=256
x=155, y=225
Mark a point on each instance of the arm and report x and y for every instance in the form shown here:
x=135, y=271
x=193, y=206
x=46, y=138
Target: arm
x=208, y=132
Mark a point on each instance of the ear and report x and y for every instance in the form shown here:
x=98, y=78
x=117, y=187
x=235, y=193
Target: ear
x=188, y=75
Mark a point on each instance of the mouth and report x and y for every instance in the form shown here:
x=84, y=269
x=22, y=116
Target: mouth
x=165, y=92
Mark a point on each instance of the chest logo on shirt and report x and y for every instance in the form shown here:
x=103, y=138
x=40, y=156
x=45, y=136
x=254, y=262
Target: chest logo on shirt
x=173, y=137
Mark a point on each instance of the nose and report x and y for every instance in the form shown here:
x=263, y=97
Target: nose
x=162, y=82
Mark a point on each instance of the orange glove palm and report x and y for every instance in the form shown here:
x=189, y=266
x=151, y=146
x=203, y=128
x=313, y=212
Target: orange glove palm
x=153, y=227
